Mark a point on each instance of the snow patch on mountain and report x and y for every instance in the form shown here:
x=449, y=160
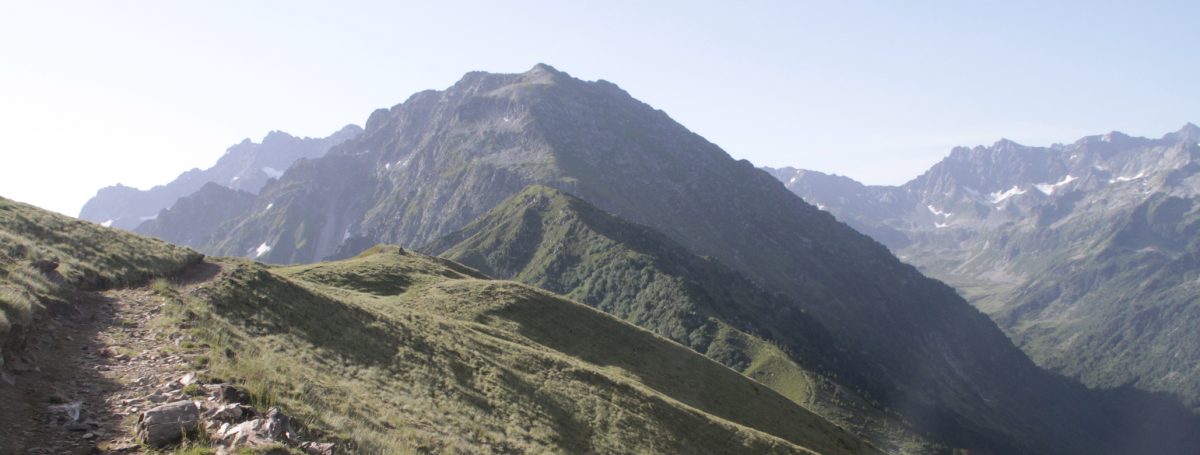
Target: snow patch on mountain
x=107, y=223
x=261, y=250
x=1126, y=179
x=272, y=172
x=998, y=197
x=937, y=212
x=1049, y=188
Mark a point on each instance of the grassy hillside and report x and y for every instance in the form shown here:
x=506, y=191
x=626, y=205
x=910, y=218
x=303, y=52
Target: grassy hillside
x=88, y=255
x=400, y=352
x=547, y=238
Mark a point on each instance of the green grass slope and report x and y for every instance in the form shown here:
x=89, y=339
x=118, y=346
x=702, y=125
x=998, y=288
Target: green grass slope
x=403, y=353
x=89, y=257
x=555, y=241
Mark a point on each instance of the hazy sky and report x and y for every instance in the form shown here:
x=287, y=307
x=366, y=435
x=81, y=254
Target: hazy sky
x=94, y=93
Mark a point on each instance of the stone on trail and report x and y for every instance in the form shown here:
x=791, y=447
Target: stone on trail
x=167, y=424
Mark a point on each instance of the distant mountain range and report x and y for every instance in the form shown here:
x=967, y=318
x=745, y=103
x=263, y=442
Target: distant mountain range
x=1087, y=254
x=577, y=187
x=246, y=166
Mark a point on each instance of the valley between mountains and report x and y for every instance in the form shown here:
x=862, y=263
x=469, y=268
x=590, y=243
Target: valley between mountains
x=534, y=263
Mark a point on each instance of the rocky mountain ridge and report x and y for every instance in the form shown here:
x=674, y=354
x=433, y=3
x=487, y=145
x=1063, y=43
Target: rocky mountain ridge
x=1082, y=252
x=246, y=166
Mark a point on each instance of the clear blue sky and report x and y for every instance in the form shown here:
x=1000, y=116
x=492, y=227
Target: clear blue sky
x=95, y=93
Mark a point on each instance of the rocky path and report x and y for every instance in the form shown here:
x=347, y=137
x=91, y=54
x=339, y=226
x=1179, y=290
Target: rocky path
x=89, y=369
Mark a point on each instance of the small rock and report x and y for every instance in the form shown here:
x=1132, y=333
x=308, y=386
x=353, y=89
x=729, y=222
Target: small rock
x=233, y=394
x=318, y=448
x=124, y=448
x=89, y=436
x=68, y=412
x=232, y=413
x=166, y=424
x=275, y=427
x=279, y=425
x=156, y=398
x=188, y=379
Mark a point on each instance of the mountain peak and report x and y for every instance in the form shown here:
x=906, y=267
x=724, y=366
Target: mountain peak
x=276, y=136
x=543, y=73
x=1005, y=143
x=482, y=82
x=1114, y=135
x=539, y=191
x=543, y=68
x=1188, y=131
